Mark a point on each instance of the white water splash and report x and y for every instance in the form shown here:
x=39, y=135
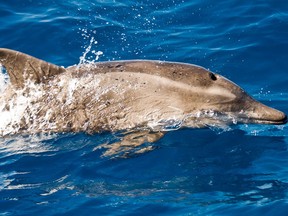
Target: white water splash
x=72, y=86
x=85, y=58
x=21, y=106
x=11, y=118
x=166, y=124
x=4, y=79
x=216, y=121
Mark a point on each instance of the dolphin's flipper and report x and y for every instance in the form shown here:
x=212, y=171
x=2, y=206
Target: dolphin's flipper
x=132, y=144
x=22, y=67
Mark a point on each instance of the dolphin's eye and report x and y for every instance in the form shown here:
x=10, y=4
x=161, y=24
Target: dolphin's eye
x=212, y=76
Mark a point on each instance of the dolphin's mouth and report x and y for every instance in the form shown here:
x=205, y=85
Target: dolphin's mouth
x=278, y=118
x=263, y=121
x=276, y=122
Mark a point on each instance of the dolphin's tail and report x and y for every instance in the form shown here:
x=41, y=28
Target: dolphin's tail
x=21, y=67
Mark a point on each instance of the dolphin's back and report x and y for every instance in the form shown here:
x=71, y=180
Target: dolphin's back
x=22, y=67
x=181, y=72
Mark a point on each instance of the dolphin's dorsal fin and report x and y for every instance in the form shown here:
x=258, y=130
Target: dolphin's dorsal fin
x=21, y=67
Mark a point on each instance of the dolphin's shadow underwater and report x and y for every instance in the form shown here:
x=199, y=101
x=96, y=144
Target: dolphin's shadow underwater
x=143, y=98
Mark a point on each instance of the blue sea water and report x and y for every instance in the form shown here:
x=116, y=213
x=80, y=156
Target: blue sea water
x=240, y=171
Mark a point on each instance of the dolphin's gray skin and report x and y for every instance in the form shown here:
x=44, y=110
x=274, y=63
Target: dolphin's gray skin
x=122, y=95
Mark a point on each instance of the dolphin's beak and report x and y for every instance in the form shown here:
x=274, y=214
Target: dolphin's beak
x=262, y=114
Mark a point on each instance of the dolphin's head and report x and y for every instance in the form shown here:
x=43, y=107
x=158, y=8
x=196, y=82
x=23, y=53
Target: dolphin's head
x=225, y=98
x=204, y=92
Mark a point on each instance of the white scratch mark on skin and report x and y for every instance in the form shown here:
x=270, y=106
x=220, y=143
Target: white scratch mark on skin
x=175, y=108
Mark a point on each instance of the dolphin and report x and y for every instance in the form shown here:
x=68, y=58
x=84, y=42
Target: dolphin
x=121, y=96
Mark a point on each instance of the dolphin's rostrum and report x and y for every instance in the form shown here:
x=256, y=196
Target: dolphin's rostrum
x=121, y=95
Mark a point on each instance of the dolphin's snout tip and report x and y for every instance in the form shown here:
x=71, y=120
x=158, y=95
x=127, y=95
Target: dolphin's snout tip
x=284, y=120
x=267, y=115
x=278, y=117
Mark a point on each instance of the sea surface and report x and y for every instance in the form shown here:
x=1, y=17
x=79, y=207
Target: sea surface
x=242, y=170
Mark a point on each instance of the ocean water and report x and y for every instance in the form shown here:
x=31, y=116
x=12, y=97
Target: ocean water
x=240, y=171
